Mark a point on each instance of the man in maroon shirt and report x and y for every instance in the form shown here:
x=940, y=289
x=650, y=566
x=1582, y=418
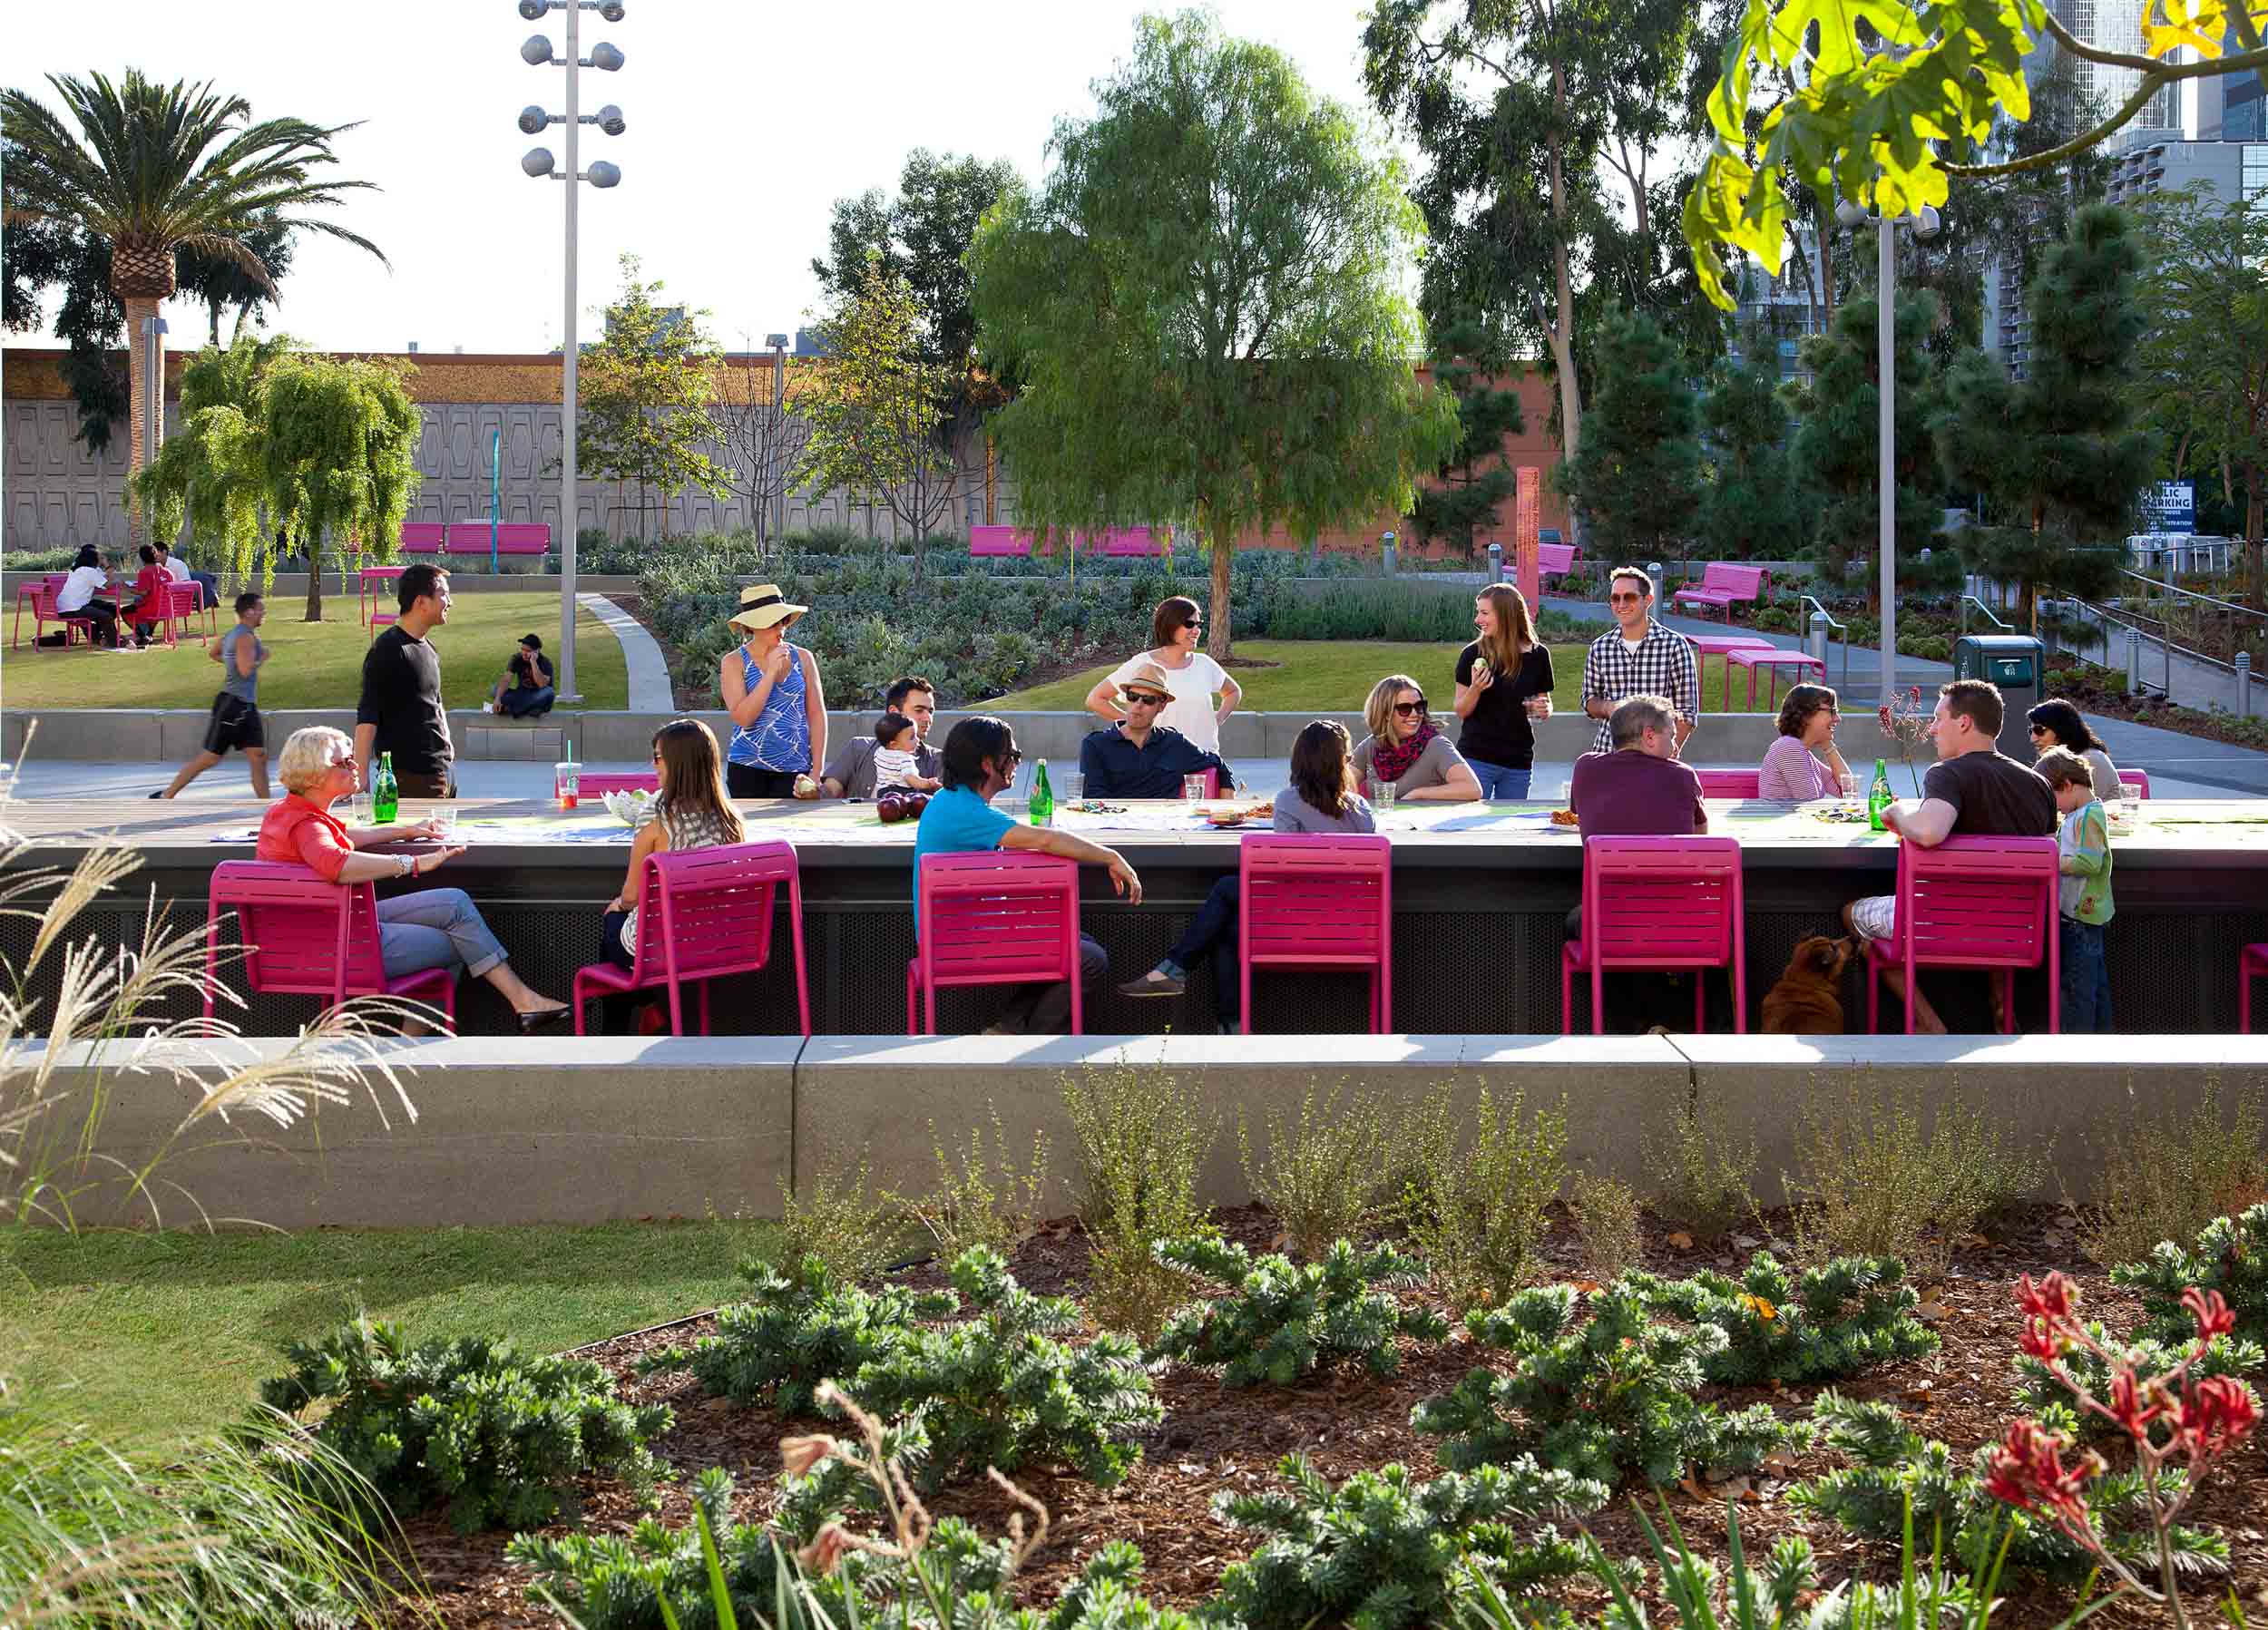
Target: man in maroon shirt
x=1639, y=789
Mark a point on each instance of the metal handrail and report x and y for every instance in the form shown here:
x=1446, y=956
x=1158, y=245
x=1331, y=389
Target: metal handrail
x=2218, y=604
x=1813, y=608
x=1967, y=600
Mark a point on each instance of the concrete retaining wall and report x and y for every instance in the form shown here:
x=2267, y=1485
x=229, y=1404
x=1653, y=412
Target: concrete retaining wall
x=511, y=1131
x=462, y=579
x=123, y=736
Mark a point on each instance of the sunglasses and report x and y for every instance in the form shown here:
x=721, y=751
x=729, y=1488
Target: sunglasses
x=1619, y=599
x=1142, y=698
x=1411, y=709
x=2037, y=730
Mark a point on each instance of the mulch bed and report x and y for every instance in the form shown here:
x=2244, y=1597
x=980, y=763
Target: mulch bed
x=1213, y=1439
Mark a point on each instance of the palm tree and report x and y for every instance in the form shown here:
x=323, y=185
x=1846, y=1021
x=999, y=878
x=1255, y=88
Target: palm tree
x=159, y=168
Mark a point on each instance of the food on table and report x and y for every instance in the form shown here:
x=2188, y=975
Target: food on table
x=1564, y=817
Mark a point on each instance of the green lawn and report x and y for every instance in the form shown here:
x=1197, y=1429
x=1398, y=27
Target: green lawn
x=1330, y=675
x=319, y=664
x=163, y=1335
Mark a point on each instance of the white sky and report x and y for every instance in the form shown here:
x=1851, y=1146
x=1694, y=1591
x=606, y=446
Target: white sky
x=746, y=120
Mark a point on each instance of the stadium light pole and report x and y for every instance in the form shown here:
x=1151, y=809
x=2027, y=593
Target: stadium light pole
x=536, y=51
x=1923, y=225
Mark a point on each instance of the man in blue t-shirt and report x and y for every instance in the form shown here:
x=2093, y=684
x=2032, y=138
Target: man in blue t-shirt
x=979, y=761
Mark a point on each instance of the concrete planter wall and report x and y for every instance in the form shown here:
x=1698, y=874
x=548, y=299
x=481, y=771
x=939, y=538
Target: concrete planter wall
x=510, y=1131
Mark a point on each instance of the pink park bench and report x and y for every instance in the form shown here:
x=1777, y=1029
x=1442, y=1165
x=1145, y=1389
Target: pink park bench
x=421, y=537
x=1554, y=559
x=525, y=538
x=1122, y=541
x=1723, y=583
x=998, y=541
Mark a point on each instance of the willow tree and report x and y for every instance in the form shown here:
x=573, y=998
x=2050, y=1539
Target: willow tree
x=1203, y=308
x=156, y=168
x=285, y=451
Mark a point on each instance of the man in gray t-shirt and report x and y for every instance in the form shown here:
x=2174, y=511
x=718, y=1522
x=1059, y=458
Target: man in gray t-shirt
x=235, y=721
x=851, y=775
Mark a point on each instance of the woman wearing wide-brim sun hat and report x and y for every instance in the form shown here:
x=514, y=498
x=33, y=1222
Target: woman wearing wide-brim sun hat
x=772, y=691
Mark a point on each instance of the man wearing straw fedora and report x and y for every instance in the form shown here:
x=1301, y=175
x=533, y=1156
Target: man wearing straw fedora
x=772, y=691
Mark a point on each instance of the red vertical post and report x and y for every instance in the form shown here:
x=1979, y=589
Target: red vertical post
x=1527, y=520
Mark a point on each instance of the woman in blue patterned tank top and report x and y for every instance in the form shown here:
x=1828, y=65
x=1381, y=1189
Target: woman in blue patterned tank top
x=779, y=708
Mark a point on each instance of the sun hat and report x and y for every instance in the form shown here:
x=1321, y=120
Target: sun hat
x=1147, y=677
x=762, y=606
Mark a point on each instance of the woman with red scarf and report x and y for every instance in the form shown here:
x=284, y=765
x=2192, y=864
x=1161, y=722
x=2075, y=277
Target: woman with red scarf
x=1406, y=749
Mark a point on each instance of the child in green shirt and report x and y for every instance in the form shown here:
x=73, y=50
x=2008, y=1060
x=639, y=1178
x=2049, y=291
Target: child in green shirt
x=2084, y=900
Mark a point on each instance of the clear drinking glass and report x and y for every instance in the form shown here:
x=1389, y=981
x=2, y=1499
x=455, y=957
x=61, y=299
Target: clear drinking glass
x=1192, y=787
x=565, y=775
x=444, y=819
x=364, y=810
x=1074, y=788
x=1383, y=794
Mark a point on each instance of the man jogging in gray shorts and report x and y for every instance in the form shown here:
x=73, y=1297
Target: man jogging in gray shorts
x=235, y=721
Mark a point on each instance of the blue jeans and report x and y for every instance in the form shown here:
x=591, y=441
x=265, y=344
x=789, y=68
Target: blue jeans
x=521, y=703
x=435, y=928
x=2086, y=978
x=1499, y=783
x=1213, y=932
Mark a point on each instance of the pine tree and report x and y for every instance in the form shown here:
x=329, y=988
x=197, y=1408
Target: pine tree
x=1477, y=477
x=2059, y=457
x=1753, y=509
x=1638, y=475
x=1837, y=450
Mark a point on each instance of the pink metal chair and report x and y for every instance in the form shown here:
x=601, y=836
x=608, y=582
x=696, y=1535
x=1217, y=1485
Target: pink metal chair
x=75, y=624
x=637, y=781
x=1317, y=901
x=185, y=603
x=1655, y=904
x=1730, y=784
x=2252, y=964
x=1973, y=903
x=1002, y=917
x=2136, y=781
x=305, y=936
x=702, y=915
x=377, y=592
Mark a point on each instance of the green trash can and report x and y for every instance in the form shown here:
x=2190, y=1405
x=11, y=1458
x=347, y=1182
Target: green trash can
x=2016, y=663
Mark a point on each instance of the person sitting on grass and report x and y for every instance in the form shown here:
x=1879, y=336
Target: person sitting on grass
x=235, y=721
x=896, y=738
x=433, y=928
x=690, y=811
x=2083, y=890
x=525, y=691
x=1320, y=798
x=1973, y=788
x=980, y=759
x=1139, y=757
x=1406, y=750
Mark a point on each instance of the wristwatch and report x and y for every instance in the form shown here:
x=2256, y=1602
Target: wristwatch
x=409, y=865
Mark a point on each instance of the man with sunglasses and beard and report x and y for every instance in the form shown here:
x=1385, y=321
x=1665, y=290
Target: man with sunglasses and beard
x=1140, y=757
x=1639, y=657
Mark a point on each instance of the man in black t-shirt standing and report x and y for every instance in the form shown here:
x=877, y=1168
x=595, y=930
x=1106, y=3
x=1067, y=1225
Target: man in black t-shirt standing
x=400, y=712
x=1973, y=788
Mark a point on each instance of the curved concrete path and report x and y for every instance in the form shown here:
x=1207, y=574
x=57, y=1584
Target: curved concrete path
x=641, y=655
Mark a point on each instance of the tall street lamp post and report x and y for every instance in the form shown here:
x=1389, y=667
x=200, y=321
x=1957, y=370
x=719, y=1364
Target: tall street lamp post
x=778, y=344
x=536, y=51
x=1924, y=225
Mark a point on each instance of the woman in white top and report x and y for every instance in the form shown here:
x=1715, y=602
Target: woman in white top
x=1193, y=678
x=81, y=596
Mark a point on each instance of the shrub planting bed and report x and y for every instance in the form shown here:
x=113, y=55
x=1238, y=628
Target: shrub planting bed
x=1222, y=1518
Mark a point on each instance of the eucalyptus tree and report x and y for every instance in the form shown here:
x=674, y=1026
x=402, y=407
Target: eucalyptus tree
x=1202, y=306
x=154, y=169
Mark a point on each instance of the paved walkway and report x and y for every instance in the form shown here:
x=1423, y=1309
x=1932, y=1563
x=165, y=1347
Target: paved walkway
x=649, y=670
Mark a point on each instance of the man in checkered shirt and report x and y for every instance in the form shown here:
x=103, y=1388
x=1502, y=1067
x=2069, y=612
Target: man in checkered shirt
x=1639, y=658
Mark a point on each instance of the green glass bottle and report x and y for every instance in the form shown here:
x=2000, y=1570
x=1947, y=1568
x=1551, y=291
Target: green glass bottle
x=386, y=793
x=1878, y=799
x=1043, y=797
